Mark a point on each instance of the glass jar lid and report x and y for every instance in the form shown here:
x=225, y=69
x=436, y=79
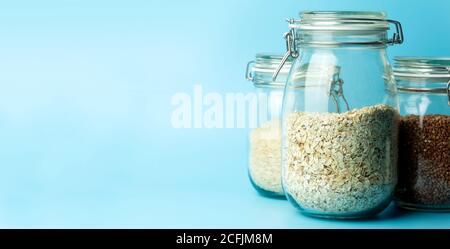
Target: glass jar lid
x=339, y=28
x=361, y=23
x=342, y=20
x=428, y=68
x=261, y=70
x=423, y=74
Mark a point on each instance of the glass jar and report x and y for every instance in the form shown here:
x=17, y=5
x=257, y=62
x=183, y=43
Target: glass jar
x=424, y=133
x=340, y=116
x=265, y=139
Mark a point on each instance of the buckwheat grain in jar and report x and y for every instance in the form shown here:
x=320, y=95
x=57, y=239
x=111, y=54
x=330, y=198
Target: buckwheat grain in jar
x=340, y=117
x=264, y=165
x=424, y=135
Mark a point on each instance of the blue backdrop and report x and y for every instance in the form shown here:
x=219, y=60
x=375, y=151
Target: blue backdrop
x=85, y=109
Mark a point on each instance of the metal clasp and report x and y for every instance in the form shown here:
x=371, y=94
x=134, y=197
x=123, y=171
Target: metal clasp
x=397, y=38
x=248, y=73
x=448, y=88
x=448, y=92
x=291, y=49
x=336, y=93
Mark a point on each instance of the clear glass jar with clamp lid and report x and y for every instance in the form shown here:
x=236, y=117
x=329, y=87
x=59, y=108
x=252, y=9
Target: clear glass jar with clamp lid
x=424, y=135
x=340, y=116
x=265, y=139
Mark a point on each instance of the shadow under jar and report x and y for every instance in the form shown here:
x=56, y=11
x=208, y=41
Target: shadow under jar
x=265, y=139
x=424, y=134
x=340, y=117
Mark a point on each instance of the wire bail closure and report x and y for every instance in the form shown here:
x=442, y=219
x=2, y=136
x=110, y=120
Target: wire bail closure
x=248, y=73
x=339, y=92
x=397, y=38
x=448, y=92
x=448, y=88
x=291, y=49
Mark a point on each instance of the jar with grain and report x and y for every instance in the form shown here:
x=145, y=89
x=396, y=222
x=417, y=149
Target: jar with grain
x=424, y=134
x=265, y=139
x=340, y=117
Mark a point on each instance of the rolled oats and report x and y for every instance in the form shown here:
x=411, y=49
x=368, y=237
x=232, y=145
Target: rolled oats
x=341, y=163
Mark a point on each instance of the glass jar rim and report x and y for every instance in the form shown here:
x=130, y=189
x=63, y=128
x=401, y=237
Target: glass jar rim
x=342, y=28
x=341, y=21
x=429, y=74
x=422, y=67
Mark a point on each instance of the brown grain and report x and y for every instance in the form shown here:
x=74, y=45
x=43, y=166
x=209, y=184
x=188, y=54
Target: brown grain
x=424, y=160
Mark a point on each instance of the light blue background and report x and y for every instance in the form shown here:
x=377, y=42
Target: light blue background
x=85, y=91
